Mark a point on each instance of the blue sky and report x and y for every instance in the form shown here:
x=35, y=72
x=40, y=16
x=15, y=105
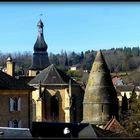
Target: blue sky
x=69, y=26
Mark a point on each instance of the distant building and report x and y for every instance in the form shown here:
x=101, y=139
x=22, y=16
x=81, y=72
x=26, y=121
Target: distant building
x=74, y=67
x=117, y=81
x=40, y=55
x=128, y=89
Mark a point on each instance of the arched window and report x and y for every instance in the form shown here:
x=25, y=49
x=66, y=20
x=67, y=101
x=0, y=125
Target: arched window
x=54, y=108
x=15, y=123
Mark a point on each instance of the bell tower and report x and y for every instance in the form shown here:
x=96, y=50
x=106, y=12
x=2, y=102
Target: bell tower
x=40, y=56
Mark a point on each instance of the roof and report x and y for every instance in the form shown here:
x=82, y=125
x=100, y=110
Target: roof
x=99, y=90
x=7, y=132
x=99, y=59
x=77, y=130
x=25, y=79
x=114, y=126
x=125, y=87
x=118, y=92
x=40, y=44
x=51, y=76
x=117, y=81
x=9, y=82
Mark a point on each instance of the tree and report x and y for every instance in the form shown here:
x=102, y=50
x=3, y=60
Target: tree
x=124, y=107
x=132, y=120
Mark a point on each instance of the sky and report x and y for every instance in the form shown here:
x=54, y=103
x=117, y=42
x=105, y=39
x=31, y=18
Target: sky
x=69, y=26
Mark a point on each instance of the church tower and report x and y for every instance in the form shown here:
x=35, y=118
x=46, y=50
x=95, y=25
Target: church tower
x=40, y=55
x=100, y=99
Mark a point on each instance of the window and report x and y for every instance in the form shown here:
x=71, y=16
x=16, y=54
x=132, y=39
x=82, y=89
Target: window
x=15, y=104
x=15, y=124
x=54, y=108
x=102, y=108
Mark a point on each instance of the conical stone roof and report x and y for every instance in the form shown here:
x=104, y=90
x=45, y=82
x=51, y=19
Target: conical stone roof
x=100, y=99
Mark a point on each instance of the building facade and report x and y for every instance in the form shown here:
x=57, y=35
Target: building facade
x=15, y=98
x=57, y=97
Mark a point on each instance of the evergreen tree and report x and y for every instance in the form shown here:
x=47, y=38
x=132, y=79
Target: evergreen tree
x=124, y=107
x=132, y=120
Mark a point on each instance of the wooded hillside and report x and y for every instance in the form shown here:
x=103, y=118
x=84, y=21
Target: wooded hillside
x=118, y=59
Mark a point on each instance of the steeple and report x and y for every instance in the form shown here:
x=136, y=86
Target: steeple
x=40, y=55
x=40, y=44
x=100, y=99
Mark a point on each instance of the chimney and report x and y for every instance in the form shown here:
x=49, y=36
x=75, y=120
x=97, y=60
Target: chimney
x=10, y=66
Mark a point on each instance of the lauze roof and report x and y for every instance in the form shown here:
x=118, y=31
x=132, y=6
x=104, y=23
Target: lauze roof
x=9, y=82
x=51, y=76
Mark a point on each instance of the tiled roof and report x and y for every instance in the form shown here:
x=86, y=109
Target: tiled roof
x=9, y=82
x=25, y=79
x=114, y=126
x=125, y=88
x=51, y=76
x=117, y=80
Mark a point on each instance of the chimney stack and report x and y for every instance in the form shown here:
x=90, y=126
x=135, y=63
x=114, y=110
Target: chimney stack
x=10, y=66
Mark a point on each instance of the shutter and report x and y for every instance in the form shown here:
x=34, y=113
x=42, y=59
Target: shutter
x=19, y=124
x=11, y=104
x=19, y=104
x=10, y=123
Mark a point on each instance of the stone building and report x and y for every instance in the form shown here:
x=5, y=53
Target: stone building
x=57, y=98
x=40, y=56
x=15, y=98
x=100, y=99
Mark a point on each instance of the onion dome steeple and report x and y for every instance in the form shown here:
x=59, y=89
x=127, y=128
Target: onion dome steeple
x=40, y=44
x=40, y=56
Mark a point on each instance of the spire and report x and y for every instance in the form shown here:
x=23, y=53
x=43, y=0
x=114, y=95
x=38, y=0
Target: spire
x=40, y=56
x=100, y=63
x=40, y=27
x=40, y=44
x=100, y=95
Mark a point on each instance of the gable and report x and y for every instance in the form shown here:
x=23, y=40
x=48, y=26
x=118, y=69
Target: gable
x=51, y=76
